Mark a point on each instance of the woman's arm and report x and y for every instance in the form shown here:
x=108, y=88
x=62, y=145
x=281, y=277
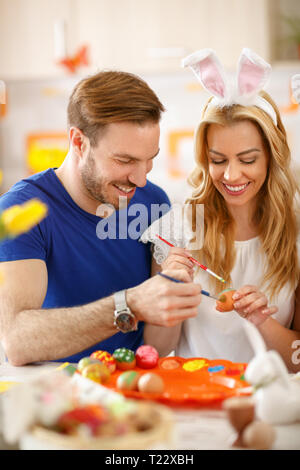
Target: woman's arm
x=253, y=305
x=285, y=341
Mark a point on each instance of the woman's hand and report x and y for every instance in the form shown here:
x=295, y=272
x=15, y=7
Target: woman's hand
x=178, y=258
x=252, y=304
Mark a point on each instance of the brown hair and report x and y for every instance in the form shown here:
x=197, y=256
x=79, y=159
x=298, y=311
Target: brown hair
x=111, y=96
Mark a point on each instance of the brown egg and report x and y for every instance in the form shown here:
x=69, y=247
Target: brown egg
x=225, y=302
x=259, y=435
x=151, y=383
x=240, y=411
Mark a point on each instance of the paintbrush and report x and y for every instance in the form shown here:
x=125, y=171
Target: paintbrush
x=204, y=292
x=195, y=261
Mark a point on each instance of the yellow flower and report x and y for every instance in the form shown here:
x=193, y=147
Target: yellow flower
x=21, y=218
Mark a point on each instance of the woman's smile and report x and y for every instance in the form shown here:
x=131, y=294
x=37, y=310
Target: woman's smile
x=237, y=189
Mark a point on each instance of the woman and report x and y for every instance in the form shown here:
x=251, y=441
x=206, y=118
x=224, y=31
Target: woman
x=243, y=178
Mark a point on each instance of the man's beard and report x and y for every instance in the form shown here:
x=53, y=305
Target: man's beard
x=95, y=185
x=92, y=185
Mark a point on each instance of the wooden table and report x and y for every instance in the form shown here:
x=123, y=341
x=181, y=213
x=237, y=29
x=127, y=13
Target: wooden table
x=195, y=429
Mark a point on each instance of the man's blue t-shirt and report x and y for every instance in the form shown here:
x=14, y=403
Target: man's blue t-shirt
x=87, y=257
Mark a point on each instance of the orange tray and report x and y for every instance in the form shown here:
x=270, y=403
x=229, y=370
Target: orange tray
x=212, y=383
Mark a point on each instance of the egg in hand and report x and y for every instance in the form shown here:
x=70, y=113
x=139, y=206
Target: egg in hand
x=225, y=302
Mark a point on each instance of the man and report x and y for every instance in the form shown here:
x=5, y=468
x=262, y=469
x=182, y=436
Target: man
x=63, y=295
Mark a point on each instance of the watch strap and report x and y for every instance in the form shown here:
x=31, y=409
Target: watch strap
x=120, y=300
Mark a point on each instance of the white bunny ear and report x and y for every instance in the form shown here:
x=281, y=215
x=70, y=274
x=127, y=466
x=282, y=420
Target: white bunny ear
x=295, y=82
x=253, y=73
x=255, y=338
x=208, y=70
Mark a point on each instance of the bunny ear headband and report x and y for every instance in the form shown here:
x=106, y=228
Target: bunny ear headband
x=252, y=76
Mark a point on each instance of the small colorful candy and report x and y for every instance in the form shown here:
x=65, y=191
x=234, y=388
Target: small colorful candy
x=97, y=372
x=128, y=380
x=146, y=357
x=106, y=359
x=125, y=358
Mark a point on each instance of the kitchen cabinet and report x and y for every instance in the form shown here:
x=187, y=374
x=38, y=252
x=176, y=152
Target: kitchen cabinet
x=135, y=35
x=27, y=37
x=143, y=36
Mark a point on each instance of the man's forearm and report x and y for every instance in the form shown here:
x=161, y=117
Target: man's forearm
x=49, y=334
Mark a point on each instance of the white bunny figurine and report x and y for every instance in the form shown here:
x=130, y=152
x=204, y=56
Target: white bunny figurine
x=277, y=397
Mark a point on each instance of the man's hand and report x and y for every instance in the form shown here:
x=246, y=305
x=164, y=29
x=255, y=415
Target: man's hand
x=162, y=302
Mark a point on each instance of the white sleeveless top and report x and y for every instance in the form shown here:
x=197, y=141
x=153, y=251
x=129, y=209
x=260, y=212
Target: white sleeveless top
x=212, y=334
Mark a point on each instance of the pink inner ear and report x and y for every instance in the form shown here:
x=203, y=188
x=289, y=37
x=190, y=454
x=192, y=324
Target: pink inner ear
x=250, y=77
x=210, y=76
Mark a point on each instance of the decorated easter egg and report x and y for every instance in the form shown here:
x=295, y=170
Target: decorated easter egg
x=225, y=302
x=84, y=362
x=106, y=359
x=97, y=372
x=125, y=358
x=151, y=383
x=128, y=380
x=146, y=357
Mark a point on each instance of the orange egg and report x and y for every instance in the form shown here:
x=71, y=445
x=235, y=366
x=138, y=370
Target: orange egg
x=225, y=302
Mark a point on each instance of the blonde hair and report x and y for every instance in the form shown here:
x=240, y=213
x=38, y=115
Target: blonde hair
x=274, y=217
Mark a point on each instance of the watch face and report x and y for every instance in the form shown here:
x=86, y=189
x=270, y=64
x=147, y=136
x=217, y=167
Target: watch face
x=126, y=322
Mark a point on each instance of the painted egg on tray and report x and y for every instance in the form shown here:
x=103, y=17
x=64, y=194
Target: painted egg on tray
x=106, y=359
x=125, y=358
x=97, y=372
x=128, y=380
x=151, y=383
x=146, y=357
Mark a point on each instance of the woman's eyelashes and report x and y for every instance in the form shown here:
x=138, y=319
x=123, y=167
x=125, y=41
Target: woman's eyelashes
x=221, y=162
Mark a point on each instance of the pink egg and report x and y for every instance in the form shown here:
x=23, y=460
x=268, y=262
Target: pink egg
x=146, y=357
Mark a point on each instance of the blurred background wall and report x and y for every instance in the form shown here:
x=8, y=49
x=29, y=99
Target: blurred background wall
x=47, y=46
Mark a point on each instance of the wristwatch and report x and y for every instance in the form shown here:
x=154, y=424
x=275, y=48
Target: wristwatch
x=124, y=319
